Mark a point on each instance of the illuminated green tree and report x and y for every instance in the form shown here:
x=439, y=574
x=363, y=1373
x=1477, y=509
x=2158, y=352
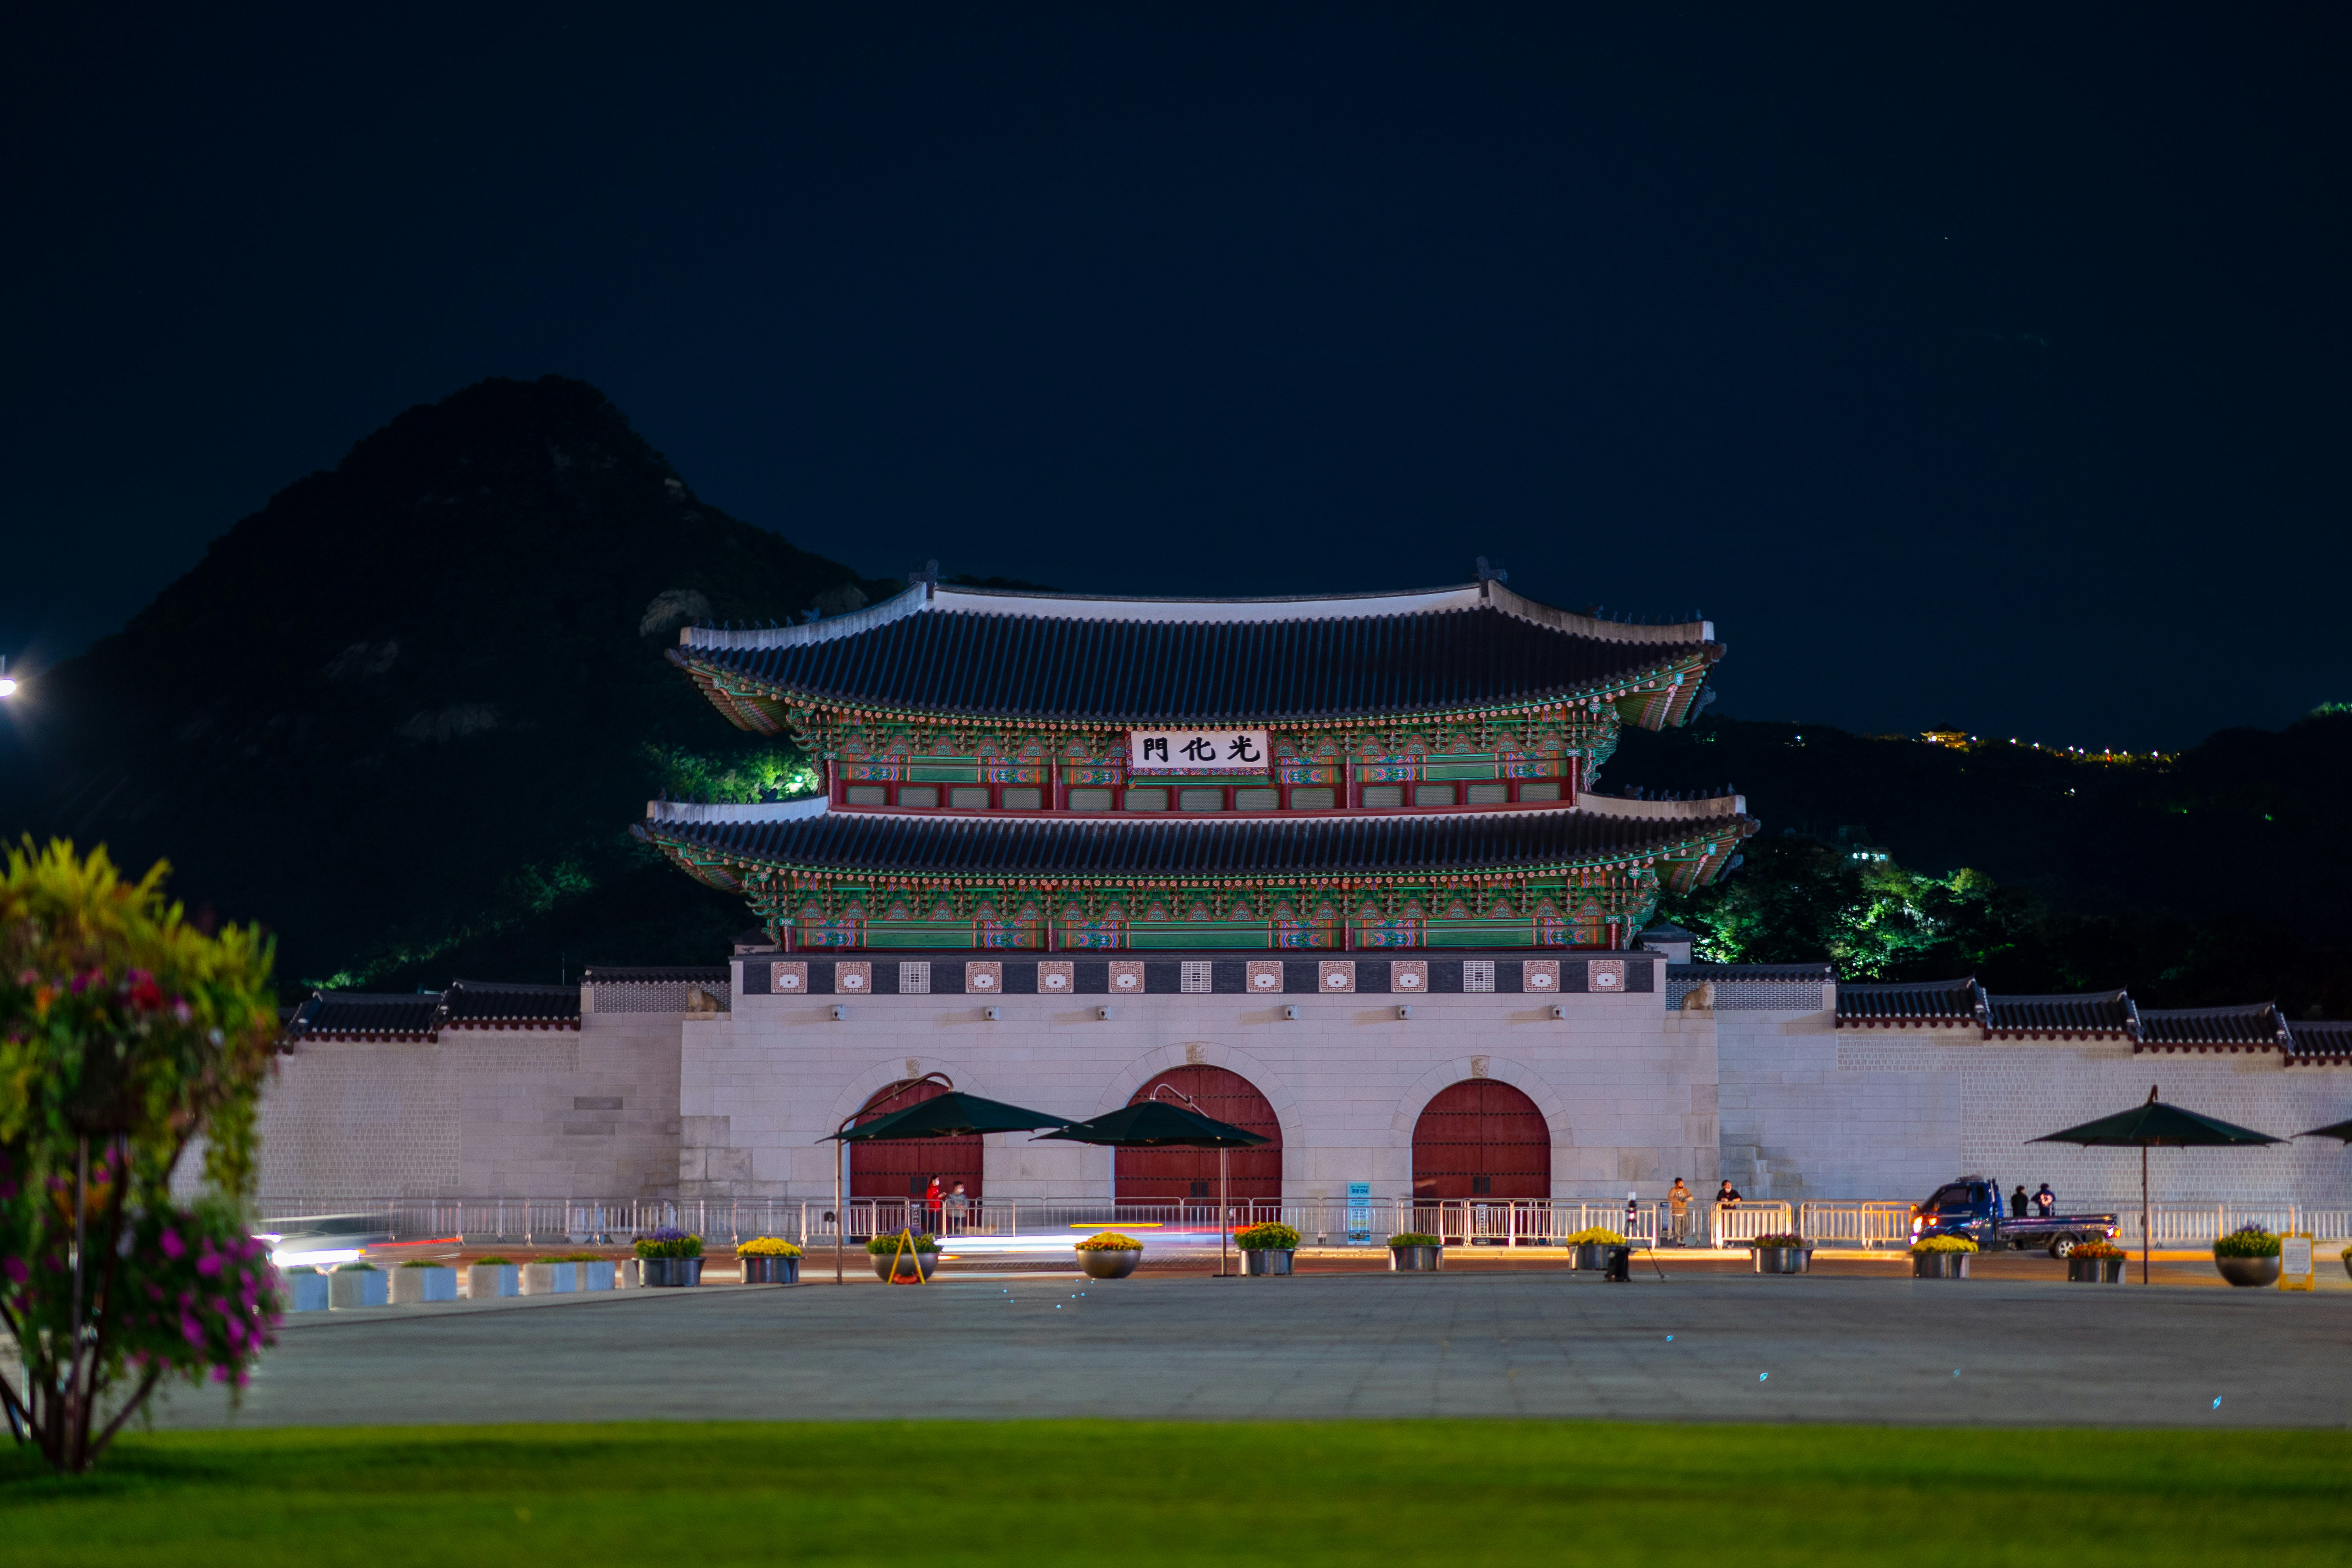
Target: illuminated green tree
x=127, y=1036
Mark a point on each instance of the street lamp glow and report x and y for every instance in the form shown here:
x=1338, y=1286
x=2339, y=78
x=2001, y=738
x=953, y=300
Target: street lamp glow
x=7, y=681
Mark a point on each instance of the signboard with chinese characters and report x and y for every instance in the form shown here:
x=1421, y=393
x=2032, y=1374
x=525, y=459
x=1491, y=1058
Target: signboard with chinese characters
x=1360, y=1213
x=1197, y=751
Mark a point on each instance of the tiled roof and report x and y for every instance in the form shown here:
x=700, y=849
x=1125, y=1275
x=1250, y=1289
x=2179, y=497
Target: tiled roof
x=1917, y=1003
x=2317, y=1041
x=663, y=975
x=1785, y=973
x=1142, y=660
x=492, y=1005
x=2083, y=1013
x=1159, y=846
x=360, y=1016
x=2254, y=1028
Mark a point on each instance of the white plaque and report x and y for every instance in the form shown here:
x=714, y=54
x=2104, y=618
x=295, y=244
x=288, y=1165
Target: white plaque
x=1198, y=752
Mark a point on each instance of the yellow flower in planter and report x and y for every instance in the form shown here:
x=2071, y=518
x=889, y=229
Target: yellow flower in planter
x=1110, y=1241
x=768, y=1246
x=1599, y=1235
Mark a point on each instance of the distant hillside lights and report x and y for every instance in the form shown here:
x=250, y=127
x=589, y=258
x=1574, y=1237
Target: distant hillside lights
x=1961, y=741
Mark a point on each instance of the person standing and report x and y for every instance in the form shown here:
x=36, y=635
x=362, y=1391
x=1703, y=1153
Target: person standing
x=1678, y=1199
x=931, y=1200
x=2047, y=1200
x=959, y=1208
x=2018, y=1202
x=1726, y=1197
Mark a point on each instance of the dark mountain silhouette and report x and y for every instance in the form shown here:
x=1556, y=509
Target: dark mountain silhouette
x=405, y=713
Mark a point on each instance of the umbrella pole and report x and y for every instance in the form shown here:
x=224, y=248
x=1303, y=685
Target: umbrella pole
x=2143, y=1214
x=1225, y=1213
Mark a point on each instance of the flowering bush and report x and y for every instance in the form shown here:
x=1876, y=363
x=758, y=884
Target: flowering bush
x=1599, y=1235
x=1110, y=1241
x=2250, y=1241
x=1414, y=1238
x=126, y=1034
x=768, y=1246
x=2098, y=1249
x=883, y=1245
x=668, y=1242
x=1784, y=1239
x=1272, y=1237
x=1943, y=1244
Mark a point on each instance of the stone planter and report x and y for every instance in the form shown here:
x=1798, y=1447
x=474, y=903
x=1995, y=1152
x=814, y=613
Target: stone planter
x=671, y=1273
x=411, y=1286
x=485, y=1282
x=1265, y=1260
x=596, y=1276
x=771, y=1270
x=2095, y=1271
x=1416, y=1260
x=1783, y=1259
x=1940, y=1265
x=628, y=1274
x=358, y=1287
x=1119, y=1265
x=306, y=1292
x=549, y=1278
x=1587, y=1255
x=911, y=1265
x=2249, y=1270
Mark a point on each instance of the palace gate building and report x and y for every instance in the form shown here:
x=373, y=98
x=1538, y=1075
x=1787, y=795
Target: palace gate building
x=1338, y=868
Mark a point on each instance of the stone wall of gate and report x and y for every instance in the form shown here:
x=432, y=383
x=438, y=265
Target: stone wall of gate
x=1629, y=1090
x=1811, y=1112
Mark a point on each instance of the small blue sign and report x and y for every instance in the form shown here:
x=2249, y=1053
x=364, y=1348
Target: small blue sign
x=1360, y=1213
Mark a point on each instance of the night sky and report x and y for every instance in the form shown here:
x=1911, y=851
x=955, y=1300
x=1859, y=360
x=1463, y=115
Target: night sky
x=1970, y=366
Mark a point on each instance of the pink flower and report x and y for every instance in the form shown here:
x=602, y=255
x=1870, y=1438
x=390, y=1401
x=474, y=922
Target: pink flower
x=13, y=1268
x=173, y=1247
x=209, y=1263
x=191, y=1331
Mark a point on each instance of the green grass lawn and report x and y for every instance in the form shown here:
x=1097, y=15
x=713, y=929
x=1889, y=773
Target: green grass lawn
x=1033, y=1492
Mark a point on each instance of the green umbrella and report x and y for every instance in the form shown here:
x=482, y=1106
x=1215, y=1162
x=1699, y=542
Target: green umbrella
x=953, y=1114
x=2339, y=1130
x=2156, y=1125
x=1154, y=1123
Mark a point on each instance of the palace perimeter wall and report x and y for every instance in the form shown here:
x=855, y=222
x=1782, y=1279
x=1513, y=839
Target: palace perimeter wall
x=658, y=1104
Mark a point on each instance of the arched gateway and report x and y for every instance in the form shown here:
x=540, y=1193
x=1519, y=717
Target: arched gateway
x=1481, y=1138
x=1177, y=1175
x=903, y=1169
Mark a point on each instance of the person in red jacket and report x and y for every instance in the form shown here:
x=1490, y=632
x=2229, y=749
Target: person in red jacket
x=932, y=1198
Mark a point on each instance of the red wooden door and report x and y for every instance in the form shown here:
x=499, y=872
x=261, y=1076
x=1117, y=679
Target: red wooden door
x=904, y=1168
x=1175, y=1175
x=1481, y=1138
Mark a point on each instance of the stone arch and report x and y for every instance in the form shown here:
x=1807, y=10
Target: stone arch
x=1206, y=1052
x=1481, y=1138
x=1453, y=1071
x=1192, y=1175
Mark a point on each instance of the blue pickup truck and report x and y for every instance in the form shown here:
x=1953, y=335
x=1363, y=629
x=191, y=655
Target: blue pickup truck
x=1972, y=1208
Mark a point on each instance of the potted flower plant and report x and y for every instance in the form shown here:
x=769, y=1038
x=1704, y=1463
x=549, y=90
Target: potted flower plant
x=1585, y=1246
x=2347, y=1256
x=1784, y=1254
x=2249, y=1255
x=1416, y=1252
x=1107, y=1255
x=492, y=1276
x=903, y=1257
x=421, y=1279
x=770, y=1260
x=2097, y=1263
x=306, y=1289
x=362, y=1285
x=670, y=1257
x=1941, y=1257
x=1266, y=1248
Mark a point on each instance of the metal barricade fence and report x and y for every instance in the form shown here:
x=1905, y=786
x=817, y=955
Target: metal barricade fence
x=1871, y=1224
x=1326, y=1222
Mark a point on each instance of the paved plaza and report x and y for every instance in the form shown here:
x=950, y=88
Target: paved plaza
x=1184, y=1347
